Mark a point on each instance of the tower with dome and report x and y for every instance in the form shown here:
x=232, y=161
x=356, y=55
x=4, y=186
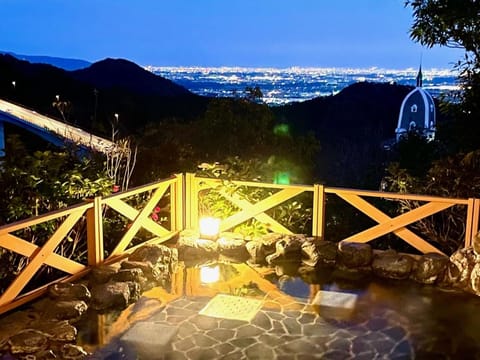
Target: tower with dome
x=417, y=112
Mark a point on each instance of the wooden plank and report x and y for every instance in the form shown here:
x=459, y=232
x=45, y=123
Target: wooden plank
x=131, y=213
x=176, y=204
x=25, y=248
x=260, y=207
x=95, y=233
x=318, y=216
x=139, y=220
x=22, y=224
x=469, y=223
x=388, y=195
x=476, y=215
x=141, y=189
x=243, y=204
x=39, y=258
x=377, y=215
x=189, y=196
x=211, y=182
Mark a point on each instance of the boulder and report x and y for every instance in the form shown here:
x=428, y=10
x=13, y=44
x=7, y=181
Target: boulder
x=462, y=263
x=110, y=295
x=429, y=268
x=392, y=265
x=256, y=252
x=28, y=342
x=354, y=255
x=68, y=291
x=72, y=352
x=327, y=253
x=152, y=253
x=270, y=239
x=287, y=248
x=476, y=244
x=61, y=331
x=194, y=249
x=232, y=247
x=135, y=291
x=70, y=310
x=124, y=275
x=475, y=279
x=150, y=271
x=310, y=256
x=102, y=274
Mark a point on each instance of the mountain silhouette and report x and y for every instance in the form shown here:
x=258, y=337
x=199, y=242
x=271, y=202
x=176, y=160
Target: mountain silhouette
x=63, y=63
x=126, y=75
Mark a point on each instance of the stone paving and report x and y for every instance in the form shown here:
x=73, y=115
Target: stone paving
x=277, y=331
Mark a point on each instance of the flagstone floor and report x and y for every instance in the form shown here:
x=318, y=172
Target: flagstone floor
x=276, y=332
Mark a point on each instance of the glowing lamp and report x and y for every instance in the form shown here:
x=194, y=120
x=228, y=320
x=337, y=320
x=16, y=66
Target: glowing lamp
x=209, y=228
x=282, y=178
x=209, y=274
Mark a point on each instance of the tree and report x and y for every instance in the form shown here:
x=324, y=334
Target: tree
x=454, y=23
x=253, y=94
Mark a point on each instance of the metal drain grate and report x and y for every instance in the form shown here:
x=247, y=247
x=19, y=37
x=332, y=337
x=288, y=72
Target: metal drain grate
x=232, y=307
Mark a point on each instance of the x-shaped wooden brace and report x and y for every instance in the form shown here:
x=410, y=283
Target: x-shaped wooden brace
x=396, y=224
x=139, y=218
x=257, y=210
x=39, y=255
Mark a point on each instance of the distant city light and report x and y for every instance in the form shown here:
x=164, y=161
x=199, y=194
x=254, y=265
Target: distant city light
x=295, y=84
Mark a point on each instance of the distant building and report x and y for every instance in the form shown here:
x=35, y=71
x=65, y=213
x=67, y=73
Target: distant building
x=417, y=112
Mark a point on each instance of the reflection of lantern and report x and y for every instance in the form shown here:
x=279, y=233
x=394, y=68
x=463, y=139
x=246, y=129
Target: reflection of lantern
x=209, y=228
x=209, y=274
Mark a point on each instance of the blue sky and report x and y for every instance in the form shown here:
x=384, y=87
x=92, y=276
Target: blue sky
x=277, y=33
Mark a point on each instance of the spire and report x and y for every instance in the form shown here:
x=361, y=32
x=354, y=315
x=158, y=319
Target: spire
x=420, y=77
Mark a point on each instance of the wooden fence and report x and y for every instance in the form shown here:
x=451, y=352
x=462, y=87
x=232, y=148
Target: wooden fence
x=93, y=214
x=182, y=193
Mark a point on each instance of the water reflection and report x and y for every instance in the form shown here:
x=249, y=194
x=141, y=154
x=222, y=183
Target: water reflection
x=434, y=321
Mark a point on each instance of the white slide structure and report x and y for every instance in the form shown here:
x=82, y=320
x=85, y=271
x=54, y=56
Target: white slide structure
x=31, y=120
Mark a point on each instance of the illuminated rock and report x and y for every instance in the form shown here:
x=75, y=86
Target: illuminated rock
x=391, y=265
x=429, y=268
x=354, y=255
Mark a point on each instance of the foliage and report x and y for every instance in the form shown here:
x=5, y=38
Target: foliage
x=456, y=176
x=45, y=181
x=229, y=128
x=454, y=23
x=32, y=185
x=294, y=214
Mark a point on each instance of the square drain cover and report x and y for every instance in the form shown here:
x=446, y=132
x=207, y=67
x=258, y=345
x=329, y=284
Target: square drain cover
x=335, y=299
x=232, y=307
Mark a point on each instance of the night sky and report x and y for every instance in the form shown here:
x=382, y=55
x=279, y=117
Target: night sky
x=256, y=33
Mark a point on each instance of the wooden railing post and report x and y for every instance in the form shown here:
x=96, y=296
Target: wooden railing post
x=471, y=222
x=191, y=202
x=95, y=233
x=318, y=220
x=177, y=204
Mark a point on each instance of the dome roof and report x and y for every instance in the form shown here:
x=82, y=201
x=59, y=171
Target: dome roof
x=417, y=113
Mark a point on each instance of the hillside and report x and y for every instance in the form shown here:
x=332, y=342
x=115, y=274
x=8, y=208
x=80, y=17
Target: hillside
x=127, y=76
x=62, y=63
x=98, y=92
x=351, y=127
